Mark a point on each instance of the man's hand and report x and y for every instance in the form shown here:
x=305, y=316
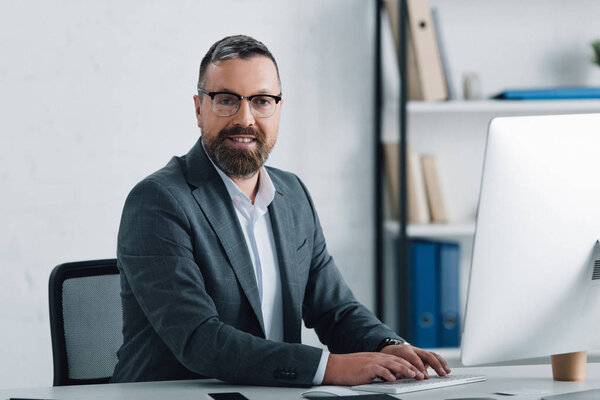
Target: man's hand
x=419, y=358
x=361, y=368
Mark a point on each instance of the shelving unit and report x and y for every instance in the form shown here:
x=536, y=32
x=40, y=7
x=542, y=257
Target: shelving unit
x=456, y=132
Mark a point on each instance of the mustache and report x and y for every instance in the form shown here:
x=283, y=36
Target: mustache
x=238, y=130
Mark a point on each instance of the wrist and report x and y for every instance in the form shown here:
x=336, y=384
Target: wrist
x=328, y=379
x=391, y=342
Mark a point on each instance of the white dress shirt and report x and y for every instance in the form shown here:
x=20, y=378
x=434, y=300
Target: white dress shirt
x=258, y=232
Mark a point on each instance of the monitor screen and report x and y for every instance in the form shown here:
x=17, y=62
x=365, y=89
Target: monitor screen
x=532, y=289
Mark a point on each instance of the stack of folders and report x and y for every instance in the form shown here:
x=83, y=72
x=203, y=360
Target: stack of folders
x=425, y=194
x=426, y=64
x=433, y=318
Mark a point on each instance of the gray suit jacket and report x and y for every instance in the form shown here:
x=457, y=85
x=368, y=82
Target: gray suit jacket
x=191, y=306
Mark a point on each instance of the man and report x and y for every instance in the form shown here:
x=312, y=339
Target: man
x=222, y=258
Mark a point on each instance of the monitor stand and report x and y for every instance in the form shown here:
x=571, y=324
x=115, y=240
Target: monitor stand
x=569, y=366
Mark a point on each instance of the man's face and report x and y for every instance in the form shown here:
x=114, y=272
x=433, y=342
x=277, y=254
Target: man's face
x=239, y=144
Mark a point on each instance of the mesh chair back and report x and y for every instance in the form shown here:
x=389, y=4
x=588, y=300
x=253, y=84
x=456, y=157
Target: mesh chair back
x=86, y=321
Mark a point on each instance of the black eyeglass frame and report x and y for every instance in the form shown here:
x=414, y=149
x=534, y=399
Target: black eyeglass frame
x=240, y=98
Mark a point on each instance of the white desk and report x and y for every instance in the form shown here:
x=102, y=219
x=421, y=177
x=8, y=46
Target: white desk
x=499, y=378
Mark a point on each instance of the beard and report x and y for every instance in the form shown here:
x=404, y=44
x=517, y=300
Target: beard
x=237, y=162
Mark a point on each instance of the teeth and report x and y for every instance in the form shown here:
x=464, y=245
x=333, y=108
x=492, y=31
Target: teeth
x=242, y=140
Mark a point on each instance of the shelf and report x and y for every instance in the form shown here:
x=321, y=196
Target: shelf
x=451, y=230
x=504, y=106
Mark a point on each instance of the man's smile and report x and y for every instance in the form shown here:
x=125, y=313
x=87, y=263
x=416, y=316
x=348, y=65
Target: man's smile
x=243, y=141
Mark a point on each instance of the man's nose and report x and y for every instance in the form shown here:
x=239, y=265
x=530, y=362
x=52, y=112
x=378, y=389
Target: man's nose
x=243, y=117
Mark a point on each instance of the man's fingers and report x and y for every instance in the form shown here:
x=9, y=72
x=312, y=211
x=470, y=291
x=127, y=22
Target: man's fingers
x=384, y=373
x=413, y=358
x=419, y=373
x=436, y=362
x=402, y=368
x=360, y=368
x=443, y=362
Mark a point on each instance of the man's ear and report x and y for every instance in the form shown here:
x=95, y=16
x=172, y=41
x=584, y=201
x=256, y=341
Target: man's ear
x=198, y=108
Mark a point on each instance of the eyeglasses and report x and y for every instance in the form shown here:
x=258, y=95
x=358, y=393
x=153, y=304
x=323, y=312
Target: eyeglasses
x=225, y=104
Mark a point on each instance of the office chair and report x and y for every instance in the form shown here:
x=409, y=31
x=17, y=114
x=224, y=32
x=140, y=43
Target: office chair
x=86, y=321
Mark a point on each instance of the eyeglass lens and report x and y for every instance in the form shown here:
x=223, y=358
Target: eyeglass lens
x=227, y=104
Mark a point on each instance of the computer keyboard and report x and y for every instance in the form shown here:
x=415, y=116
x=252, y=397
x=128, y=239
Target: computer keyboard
x=412, y=385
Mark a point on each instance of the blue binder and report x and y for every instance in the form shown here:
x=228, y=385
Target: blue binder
x=424, y=294
x=551, y=93
x=448, y=270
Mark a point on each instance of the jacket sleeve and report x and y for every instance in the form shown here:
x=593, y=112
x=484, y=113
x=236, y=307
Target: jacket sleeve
x=341, y=322
x=155, y=253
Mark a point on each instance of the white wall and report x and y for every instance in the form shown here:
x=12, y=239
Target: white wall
x=96, y=95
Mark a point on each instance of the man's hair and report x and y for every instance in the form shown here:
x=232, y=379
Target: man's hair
x=230, y=47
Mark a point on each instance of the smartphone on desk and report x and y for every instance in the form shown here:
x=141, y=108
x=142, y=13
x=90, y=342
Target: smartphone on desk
x=226, y=396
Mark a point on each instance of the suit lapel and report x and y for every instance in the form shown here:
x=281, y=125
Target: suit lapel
x=214, y=201
x=285, y=239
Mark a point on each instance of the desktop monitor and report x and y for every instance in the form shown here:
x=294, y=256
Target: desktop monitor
x=534, y=289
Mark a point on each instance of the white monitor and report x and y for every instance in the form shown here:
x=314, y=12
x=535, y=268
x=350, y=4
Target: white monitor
x=533, y=290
